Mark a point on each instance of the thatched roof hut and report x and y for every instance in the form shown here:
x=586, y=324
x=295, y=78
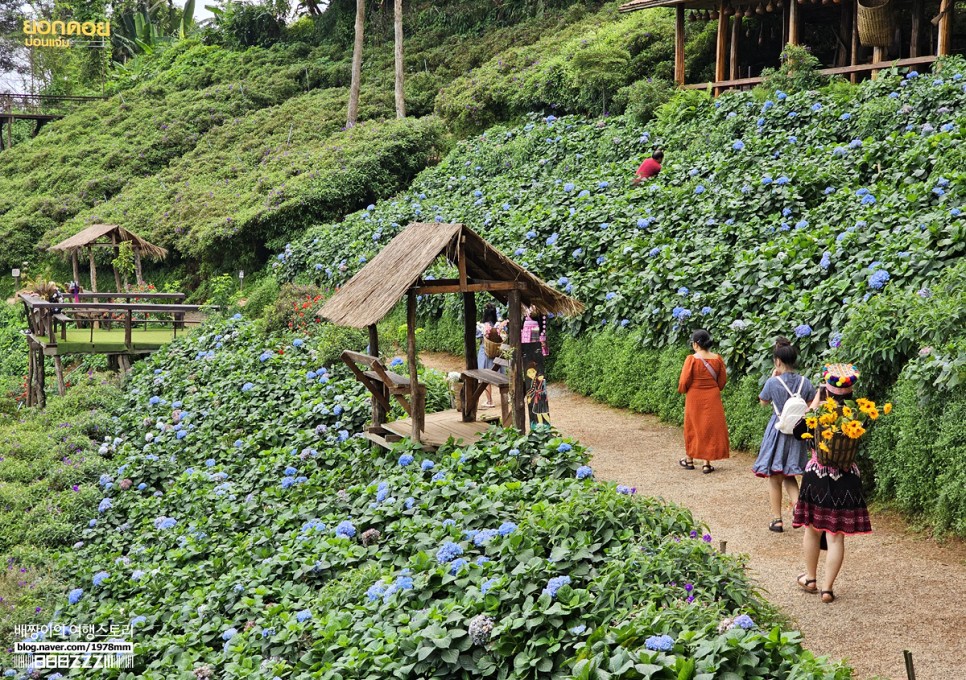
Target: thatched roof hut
x=107, y=236
x=383, y=282
x=397, y=272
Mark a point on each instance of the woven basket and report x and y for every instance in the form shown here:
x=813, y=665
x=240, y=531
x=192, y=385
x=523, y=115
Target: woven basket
x=842, y=450
x=877, y=23
x=491, y=348
x=456, y=393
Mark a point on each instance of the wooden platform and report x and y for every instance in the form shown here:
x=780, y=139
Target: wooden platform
x=442, y=426
x=107, y=341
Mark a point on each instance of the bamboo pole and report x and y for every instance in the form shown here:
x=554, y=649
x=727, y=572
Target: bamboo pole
x=721, y=54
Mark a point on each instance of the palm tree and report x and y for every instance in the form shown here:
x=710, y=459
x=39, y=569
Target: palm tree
x=356, y=64
x=400, y=94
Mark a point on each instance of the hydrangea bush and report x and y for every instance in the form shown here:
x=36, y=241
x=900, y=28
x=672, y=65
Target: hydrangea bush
x=495, y=560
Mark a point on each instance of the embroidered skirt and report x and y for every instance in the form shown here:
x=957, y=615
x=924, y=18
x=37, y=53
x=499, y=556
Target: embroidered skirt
x=832, y=500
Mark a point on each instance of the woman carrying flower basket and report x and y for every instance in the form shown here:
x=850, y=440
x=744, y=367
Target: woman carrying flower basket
x=782, y=455
x=831, y=504
x=705, y=429
x=490, y=332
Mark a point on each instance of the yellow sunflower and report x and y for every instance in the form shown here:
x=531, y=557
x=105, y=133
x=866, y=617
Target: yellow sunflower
x=811, y=422
x=887, y=408
x=827, y=418
x=807, y=436
x=827, y=434
x=873, y=413
x=824, y=447
x=864, y=403
x=846, y=411
x=830, y=404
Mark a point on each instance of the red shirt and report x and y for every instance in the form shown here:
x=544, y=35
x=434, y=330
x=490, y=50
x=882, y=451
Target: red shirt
x=648, y=169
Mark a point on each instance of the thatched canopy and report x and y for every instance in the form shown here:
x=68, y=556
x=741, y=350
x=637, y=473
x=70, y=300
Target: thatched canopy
x=108, y=235
x=376, y=288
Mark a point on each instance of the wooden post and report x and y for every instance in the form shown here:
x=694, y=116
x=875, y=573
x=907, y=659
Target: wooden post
x=469, y=352
x=128, y=322
x=378, y=411
x=137, y=267
x=792, y=22
x=878, y=56
x=721, y=55
x=916, y=28
x=90, y=253
x=411, y=359
x=30, y=373
x=516, y=367
x=59, y=367
x=947, y=10
x=910, y=669
x=75, y=265
x=679, y=64
x=117, y=254
x=854, y=77
x=41, y=399
x=734, y=73
x=842, y=51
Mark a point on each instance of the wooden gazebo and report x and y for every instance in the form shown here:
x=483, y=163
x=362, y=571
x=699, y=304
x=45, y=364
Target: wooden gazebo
x=397, y=272
x=923, y=32
x=107, y=236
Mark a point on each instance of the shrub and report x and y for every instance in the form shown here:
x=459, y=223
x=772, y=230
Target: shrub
x=641, y=100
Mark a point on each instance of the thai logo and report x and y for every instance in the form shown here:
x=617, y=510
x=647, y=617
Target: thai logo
x=53, y=30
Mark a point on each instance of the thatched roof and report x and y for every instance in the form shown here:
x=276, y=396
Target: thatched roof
x=101, y=234
x=383, y=282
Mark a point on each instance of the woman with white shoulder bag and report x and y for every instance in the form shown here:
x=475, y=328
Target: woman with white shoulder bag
x=783, y=454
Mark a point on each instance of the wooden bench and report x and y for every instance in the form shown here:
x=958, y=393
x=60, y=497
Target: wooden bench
x=384, y=386
x=63, y=320
x=475, y=382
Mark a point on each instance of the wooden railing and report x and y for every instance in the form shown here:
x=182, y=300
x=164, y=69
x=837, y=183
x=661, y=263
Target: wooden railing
x=44, y=316
x=40, y=104
x=739, y=83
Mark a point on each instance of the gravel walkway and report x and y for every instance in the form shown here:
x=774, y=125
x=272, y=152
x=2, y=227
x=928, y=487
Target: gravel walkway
x=896, y=590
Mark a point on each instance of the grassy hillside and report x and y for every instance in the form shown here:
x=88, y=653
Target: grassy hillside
x=214, y=152
x=834, y=217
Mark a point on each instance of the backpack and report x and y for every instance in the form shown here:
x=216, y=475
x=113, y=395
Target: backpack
x=793, y=411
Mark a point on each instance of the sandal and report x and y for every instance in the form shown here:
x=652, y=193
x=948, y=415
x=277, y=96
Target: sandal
x=777, y=525
x=686, y=464
x=804, y=584
x=831, y=596
x=707, y=468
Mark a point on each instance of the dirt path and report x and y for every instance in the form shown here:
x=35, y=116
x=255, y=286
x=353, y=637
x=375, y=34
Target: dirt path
x=896, y=591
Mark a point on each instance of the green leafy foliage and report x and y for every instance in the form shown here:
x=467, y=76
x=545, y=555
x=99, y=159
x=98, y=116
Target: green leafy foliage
x=246, y=532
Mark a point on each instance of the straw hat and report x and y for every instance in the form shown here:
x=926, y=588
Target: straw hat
x=839, y=378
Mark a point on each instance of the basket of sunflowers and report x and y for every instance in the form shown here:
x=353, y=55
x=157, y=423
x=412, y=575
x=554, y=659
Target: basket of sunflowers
x=838, y=429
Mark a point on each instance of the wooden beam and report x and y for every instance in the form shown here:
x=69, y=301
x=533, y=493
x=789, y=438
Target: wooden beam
x=517, y=390
x=947, y=11
x=411, y=359
x=721, y=54
x=437, y=287
x=679, y=62
x=735, y=33
x=792, y=22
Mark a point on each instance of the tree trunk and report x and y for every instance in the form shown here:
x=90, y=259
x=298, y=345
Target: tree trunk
x=356, y=64
x=400, y=93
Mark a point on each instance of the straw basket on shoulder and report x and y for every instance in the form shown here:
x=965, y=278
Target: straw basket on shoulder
x=842, y=450
x=491, y=348
x=877, y=23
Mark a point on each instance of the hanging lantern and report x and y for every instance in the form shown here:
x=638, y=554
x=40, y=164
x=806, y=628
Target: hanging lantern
x=714, y=14
x=760, y=9
x=750, y=12
x=769, y=7
x=780, y=4
x=691, y=17
x=707, y=15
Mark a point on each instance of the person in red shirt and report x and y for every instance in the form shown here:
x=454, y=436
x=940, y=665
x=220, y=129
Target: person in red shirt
x=649, y=168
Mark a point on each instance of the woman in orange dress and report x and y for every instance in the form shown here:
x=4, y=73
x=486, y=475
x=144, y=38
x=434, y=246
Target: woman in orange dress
x=705, y=430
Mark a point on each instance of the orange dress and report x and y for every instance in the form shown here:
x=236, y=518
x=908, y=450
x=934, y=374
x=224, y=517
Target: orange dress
x=705, y=429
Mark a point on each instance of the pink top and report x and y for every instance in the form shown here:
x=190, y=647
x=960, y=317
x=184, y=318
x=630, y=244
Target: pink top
x=530, y=332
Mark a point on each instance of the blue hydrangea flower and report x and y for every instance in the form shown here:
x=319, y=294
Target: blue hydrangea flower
x=659, y=643
x=456, y=565
x=345, y=529
x=427, y=465
x=868, y=199
x=154, y=401
x=409, y=503
x=564, y=448
x=303, y=616
x=138, y=621
x=555, y=584
x=654, y=252
x=487, y=585
x=584, y=471
x=100, y=577
x=738, y=145
x=681, y=313
x=744, y=621
x=683, y=290
x=484, y=536
x=826, y=260
x=105, y=505
x=142, y=486
x=803, y=331
x=75, y=595
x=568, y=187
x=247, y=386
x=376, y=591
x=298, y=342
x=835, y=341
x=438, y=476
x=448, y=552
x=699, y=189
x=552, y=239
x=507, y=528
x=878, y=279
x=705, y=311
x=229, y=634
x=531, y=235
x=782, y=181
x=406, y=459
x=601, y=259
x=577, y=630
x=268, y=632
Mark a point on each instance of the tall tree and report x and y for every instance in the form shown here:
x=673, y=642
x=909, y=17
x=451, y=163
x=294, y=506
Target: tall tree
x=400, y=93
x=356, y=64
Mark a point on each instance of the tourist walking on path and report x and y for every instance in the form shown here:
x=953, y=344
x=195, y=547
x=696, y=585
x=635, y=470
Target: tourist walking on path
x=705, y=430
x=782, y=456
x=831, y=504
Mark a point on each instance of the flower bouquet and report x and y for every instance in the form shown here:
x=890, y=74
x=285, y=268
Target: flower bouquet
x=839, y=429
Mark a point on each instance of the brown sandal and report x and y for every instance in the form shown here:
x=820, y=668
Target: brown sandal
x=831, y=596
x=686, y=464
x=804, y=584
